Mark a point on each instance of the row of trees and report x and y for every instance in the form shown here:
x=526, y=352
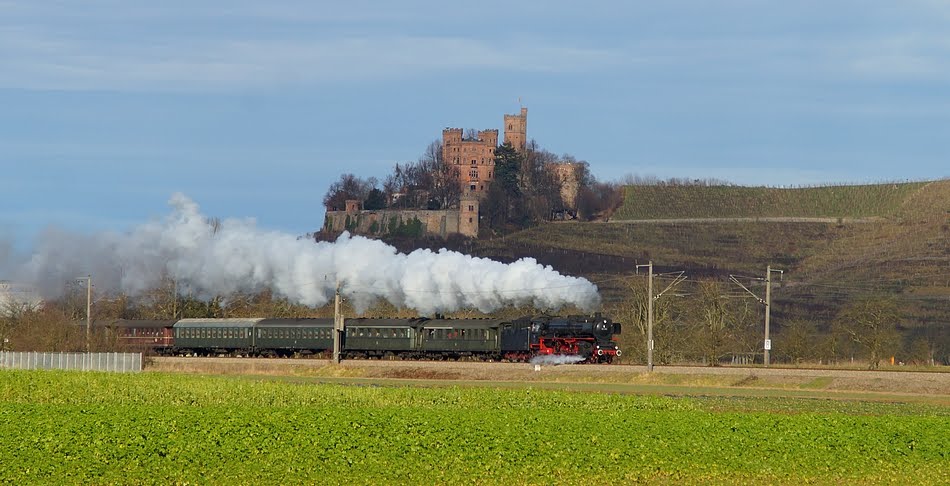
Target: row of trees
x=700, y=324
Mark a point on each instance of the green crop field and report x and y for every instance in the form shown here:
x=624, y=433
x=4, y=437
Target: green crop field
x=858, y=201
x=80, y=428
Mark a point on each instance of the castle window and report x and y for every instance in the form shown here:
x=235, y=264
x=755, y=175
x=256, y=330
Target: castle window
x=473, y=161
x=473, y=173
x=469, y=220
x=472, y=187
x=471, y=208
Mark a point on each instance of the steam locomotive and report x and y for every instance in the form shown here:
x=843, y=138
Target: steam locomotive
x=590, y=338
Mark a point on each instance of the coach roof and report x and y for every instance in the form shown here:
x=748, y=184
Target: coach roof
x=235, y=322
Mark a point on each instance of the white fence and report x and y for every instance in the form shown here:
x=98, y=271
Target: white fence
x=118, y=362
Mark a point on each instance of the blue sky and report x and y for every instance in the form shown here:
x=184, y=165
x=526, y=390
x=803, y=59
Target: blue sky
x=253, y=108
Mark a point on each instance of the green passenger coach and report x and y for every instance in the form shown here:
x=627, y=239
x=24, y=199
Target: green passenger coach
x=460, y=337
x=207, y=336
x=294, y=336
x=379, y=337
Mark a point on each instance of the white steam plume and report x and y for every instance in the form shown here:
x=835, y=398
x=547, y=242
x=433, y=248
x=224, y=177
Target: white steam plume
x=239, y=257
x=556, y=359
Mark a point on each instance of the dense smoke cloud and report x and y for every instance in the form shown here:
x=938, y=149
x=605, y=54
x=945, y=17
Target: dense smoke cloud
x=236, y=256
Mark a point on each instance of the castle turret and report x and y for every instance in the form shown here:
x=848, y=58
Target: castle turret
x=468, y=215
x=516, y=130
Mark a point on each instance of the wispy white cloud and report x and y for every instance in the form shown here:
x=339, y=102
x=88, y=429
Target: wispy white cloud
x=236, y=45
x=916, y=56
x=35, y=59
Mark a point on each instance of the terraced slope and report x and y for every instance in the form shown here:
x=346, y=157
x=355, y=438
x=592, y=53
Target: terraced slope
x=679, y=202
x=903, y=252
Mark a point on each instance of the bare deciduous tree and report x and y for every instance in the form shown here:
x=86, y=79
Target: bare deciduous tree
x=871, y=323
x=348, y=187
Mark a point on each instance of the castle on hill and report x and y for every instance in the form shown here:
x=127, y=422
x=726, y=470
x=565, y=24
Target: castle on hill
x=471, y=160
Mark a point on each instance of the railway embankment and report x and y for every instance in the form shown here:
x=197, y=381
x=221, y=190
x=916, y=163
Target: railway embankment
x=683, y=380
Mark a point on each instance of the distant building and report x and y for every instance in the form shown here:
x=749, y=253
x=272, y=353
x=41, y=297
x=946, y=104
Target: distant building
x=472, y=159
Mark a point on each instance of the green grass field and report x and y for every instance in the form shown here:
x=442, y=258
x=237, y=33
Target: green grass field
x=80, y=428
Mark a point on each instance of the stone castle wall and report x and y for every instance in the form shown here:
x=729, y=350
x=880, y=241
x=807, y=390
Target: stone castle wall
x=401, y=222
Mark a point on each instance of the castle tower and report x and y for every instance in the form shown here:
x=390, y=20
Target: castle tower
x=470, y=160
x=516, y=130
x=468, y=215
